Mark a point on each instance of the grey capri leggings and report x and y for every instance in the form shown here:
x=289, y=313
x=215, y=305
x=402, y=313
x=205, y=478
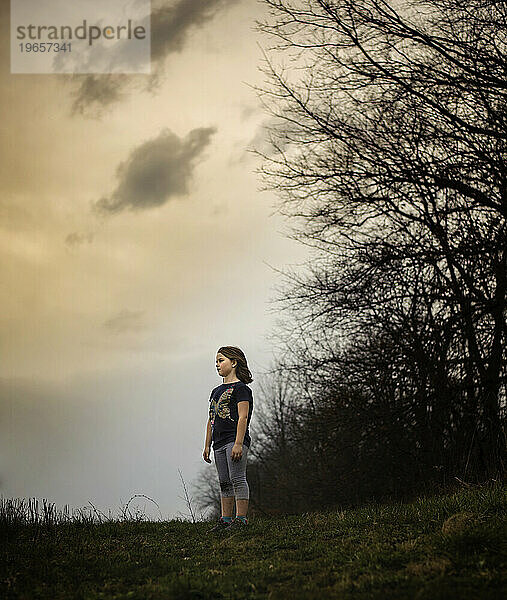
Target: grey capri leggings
x=232, y=473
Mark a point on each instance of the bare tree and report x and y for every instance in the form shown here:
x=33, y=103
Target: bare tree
x=390, y=155
x=206, y=491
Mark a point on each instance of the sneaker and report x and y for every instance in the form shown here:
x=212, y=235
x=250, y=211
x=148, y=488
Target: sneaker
x=238, y=525
x=220, y=526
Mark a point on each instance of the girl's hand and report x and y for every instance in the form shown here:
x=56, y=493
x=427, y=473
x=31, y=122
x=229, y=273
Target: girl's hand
x=205, y=454
x=237, y=451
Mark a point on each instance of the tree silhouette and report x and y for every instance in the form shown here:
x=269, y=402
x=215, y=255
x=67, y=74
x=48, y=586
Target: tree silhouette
x=389, y=134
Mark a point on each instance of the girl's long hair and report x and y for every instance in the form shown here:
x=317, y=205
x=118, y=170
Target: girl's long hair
x=242, y=370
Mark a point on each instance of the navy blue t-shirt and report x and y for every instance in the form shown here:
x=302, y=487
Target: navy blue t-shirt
x=223, y=412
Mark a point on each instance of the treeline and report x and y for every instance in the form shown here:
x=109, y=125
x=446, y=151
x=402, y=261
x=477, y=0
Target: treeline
x=388, y=152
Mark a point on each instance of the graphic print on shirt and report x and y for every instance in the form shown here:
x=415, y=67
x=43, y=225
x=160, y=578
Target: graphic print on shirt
x=220, y=406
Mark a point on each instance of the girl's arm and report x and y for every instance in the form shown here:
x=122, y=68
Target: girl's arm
x=207, y=443
x=243, y=407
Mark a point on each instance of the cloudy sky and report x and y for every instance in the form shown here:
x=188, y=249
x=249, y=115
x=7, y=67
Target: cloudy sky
x=134, y=241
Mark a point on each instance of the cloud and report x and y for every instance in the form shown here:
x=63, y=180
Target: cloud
x=269, y=140
x=247, y=111
x=271, y=136
x=155, y=171
x=170, y=25
x=100, y=90
x=125, y=320
x=170, y=28
x=75, y=238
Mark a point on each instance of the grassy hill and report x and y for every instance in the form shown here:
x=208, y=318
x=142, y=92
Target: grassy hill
x=451, y=546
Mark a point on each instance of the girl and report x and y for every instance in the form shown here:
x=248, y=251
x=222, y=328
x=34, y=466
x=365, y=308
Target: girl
x=230, y=411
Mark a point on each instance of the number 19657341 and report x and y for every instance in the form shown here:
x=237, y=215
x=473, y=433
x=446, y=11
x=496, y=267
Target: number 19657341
x=45, y=47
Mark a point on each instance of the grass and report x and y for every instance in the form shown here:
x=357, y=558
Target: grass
x=446, y=547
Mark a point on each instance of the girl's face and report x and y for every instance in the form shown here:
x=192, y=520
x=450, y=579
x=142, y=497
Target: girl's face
x=224, y=365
